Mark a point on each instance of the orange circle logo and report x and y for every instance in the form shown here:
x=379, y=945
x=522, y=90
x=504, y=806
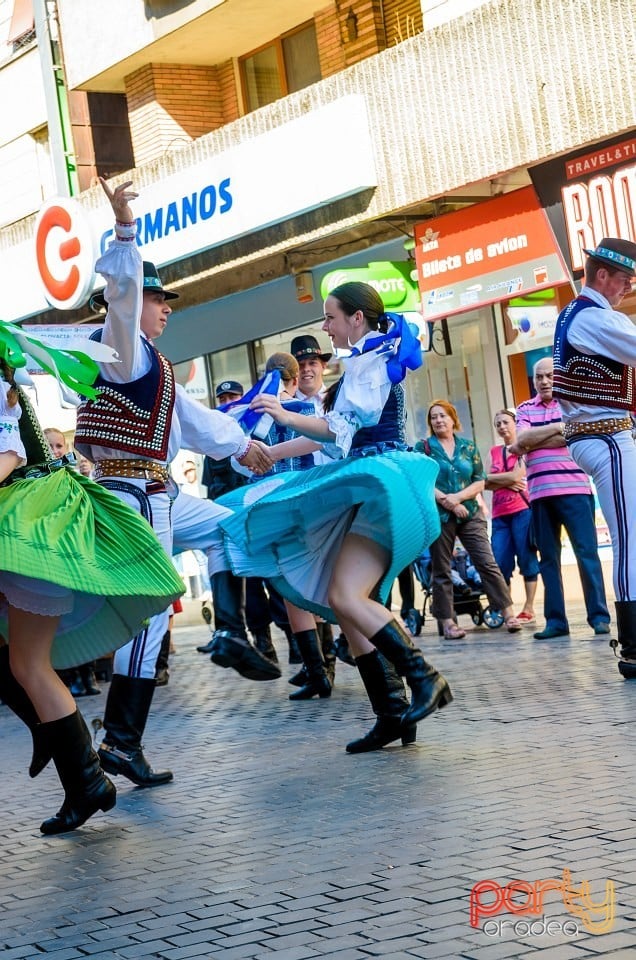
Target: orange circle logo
x=64, y=253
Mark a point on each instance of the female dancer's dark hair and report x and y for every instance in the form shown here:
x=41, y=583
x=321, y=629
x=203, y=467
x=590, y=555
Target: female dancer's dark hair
x=353, y=296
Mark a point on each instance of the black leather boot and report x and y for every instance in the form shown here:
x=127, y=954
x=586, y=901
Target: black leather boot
x=89, y=680
x=162, y=674
x=230, y=646
x=429, y=689
x=626, y=629
x=301, y=678
x=343, y=652
x=76, y=684
x=17, y=700
x=318, y=685
x=125, y=717
x=294, y=652
x=328, y=647
x=389, y=701
x=263, y=643
x=86, y=789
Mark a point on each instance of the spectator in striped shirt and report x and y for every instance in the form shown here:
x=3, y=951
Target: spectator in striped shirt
x=560, y=497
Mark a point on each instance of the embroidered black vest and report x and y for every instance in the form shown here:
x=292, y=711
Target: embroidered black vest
x=133, y=417
x=580, y=378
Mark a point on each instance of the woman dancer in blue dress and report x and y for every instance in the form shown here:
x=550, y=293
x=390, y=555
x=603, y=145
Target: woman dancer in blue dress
x=352, y=556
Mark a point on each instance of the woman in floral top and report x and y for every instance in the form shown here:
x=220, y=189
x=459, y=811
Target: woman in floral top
x=461, y=479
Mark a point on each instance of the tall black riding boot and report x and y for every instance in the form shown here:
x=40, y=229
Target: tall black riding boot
x=389, y=701
x=626, y=628
x=429, y=689
x=230, y=646
x=125, y=717
x=162, y=674
x=17, y=700
x=263, y=643
x=86, y=789
x=328, y=647
x=318, y=685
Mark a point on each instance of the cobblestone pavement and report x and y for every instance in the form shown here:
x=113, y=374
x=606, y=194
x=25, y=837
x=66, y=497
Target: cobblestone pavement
x=273, y=843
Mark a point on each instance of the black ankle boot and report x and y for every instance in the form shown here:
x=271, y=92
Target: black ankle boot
x=86, y=789
x=162, y=674
x=230, y=646
x=87, y=673
x=429, y=689
x=301, y=678
x=318, y=685
x=343, y=652
x=389, y=701
x=125, y=717
x=328, y=648
x=17, y=700
x=626, y=629
x=263, y=643
x=76, y=685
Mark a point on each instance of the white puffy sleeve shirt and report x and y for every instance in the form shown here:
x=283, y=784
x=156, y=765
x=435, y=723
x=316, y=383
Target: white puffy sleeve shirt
x=194, y=426
x=361, y=398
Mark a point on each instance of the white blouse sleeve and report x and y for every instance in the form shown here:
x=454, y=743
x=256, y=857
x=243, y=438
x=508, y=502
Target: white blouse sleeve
x=10, y=439
x=209, y=432
x=121, y=267
x=361, y=399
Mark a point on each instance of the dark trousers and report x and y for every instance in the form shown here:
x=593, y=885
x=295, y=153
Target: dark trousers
x=473, y=535
x=575, y=512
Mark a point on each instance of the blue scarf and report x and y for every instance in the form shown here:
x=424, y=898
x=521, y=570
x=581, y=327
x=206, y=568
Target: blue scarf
x=409, y=351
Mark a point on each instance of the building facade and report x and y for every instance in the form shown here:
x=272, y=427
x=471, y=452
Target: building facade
x=274, y=146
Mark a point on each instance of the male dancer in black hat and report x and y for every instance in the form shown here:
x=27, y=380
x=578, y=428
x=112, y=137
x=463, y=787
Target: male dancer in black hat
x=131, y=432
x=594, y=360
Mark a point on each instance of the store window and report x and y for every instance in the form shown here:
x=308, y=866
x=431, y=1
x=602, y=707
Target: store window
x=287, y=64
x=282, y=342
x=232, y=364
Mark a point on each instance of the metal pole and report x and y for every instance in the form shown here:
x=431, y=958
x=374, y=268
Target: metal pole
x=64, y=166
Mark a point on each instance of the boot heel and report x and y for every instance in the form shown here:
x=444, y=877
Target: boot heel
x=410, y=735
x=445, y=698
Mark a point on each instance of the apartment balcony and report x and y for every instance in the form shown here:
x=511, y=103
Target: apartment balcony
x=452, y=109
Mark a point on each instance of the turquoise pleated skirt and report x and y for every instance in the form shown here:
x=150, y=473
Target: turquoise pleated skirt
x=69, y=547
x=289, y=528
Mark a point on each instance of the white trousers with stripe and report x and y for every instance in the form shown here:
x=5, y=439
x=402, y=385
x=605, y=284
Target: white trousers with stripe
x=611, y=462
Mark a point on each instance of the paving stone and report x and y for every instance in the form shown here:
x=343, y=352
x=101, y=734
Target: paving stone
x=288, y=848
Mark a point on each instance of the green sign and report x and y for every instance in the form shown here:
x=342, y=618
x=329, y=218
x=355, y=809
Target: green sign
x=395, y=282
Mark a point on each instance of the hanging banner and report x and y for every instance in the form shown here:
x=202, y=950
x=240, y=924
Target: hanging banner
x=492, y=251
x=590, y=194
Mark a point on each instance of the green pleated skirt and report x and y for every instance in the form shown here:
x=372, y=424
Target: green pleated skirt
x=289, y=528
x=67, y=543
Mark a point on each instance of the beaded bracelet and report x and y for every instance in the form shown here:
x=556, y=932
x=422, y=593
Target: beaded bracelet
x=239, y=459
x=124, y=230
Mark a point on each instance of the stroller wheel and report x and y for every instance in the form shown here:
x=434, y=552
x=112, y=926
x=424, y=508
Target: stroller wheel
x=413, y=621
x=493, y=618
x=477, y=616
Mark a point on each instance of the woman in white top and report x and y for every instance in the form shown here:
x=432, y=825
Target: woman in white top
x=335, y=537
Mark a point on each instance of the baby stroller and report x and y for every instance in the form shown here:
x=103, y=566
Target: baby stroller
x=467, y=593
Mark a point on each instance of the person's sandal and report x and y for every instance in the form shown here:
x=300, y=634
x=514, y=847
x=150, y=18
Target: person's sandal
x=453, y=632
x=525, y=618
x=512, y=625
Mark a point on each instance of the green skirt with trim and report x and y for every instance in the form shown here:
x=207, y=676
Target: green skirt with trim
x=66, y=540
x=289, y=528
